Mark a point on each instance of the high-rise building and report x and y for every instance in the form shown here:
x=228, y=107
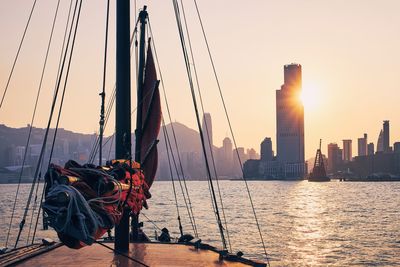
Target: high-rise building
x=347, y=150
x=290, y=123
x=396, y=147
x=252, y=154
x=207, y=129
x=237, y=169
x=379, y=145
x=227, y=150
x=208, y=141
x=362, y=145
x=370, y=150
x=386, y=137
x=266, y=149
x=334, y=157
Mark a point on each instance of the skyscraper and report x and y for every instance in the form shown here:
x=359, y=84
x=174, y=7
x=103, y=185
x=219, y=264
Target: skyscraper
x=208, y=139
x=207, y=129
x=396, y=147
x=362, y=145
x=386, y=137
x=290, y=123
x=379, y=146
x=225, y=165
x=266, y=149
x=227, y=149
x=347, y=150
x=334, y=157
x=370, y=149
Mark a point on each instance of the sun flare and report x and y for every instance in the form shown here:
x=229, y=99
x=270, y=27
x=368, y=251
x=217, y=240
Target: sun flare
x=309, y=97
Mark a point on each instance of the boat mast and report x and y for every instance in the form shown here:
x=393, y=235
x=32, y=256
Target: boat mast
x=123, y=108
x=139, y=112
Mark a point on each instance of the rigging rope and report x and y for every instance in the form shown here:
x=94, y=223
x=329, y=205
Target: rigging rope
x=22, y=223
x=174, y=136
x=17, y=55
x=95, y=146
x=172, y=179
x=188, y=70
x=230, y=127
x=167, y=140
x=32, y=121
x=121, y=253
x=207, y=127
x=103, y=93
x=112, y=142
x=55, y=86
x=151, y=221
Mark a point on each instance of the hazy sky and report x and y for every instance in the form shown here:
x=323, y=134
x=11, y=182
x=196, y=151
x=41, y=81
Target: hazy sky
x=349, y=51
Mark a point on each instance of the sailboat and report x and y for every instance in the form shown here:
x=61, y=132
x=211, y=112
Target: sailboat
x=318, y=173
x=83, y=202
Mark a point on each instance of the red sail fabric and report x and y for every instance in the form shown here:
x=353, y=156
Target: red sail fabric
x=151, y=118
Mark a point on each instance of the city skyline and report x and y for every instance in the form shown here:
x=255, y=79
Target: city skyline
x=341, y=84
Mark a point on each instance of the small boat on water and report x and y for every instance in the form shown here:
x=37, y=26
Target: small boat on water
x=84, y=202
x=318, y=173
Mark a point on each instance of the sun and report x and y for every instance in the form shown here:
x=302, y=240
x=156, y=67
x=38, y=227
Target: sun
x=309, y=97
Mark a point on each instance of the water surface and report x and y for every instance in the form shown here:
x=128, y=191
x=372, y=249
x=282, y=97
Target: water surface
x=303, y=224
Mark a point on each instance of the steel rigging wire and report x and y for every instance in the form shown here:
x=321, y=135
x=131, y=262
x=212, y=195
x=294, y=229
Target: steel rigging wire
x=32, y=121
x=22, y=223
x=168, y=142
x=190, y=78
x=17, y=55
x=55, y=86
x=103, y=93
x=230, y=127
x=191, y=214
x=172, y=179
x=206, y=126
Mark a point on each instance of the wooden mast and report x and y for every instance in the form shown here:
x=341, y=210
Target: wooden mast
x=123, y=108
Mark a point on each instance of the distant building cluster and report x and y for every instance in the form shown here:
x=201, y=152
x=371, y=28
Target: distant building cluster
x=383, y=159
x=289, y=161
x=14, y=152
x=223, y=161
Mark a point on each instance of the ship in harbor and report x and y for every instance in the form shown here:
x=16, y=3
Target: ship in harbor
x=318, y=173
x=83, y=203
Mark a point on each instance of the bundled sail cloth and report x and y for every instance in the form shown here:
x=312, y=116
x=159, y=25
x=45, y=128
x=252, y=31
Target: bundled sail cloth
x=151, y=119
x=83, y=202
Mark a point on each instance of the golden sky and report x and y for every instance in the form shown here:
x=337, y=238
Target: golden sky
x=349, y=50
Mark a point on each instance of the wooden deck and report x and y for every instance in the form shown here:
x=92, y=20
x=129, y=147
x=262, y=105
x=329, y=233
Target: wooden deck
x=152, y=254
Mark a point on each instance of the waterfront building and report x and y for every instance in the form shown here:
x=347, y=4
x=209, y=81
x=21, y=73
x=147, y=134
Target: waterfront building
x=227, y=151
x=207, y=130
x=347, y=150
x=370, y=149
x=386, y=137
x=290, y=123
x=379, y=145
x=362, y=145
x=252, y=154
x=266, y=149
x=396, y=147
x=334, y=157
x=237, y=170
x=208, y=139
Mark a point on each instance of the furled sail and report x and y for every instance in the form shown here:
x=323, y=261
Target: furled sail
x=151, y=120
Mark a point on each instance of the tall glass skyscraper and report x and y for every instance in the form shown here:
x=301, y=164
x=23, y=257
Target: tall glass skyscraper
x=290, y=123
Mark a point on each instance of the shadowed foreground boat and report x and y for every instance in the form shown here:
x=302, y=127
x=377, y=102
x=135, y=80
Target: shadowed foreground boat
x=150, y=254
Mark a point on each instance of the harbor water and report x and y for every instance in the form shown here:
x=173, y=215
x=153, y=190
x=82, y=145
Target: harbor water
x=302, y=223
